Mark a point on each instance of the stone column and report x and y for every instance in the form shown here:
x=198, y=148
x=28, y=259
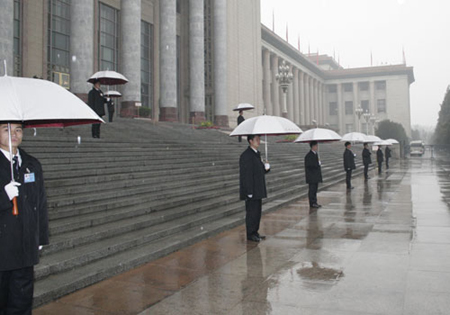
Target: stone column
x=220, y=62
x=7, y=36
x=290, y=103
x=302, y=98
x=307, y=101
x=267, y=78
x=197, y=61
x=315, y=111
x=81, y=46
x=168, y=61
x=355, y=106
x=311, y=100
x=340, y=107
x=372, y=104
x=131, y=54
x=319, y=100
x=275, y=87
x=295, y=114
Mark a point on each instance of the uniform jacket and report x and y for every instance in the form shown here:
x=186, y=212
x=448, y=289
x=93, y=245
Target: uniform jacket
x=380, y=155
x=240, y=119
x=387, y=153
x=349, y=160
x=96, y=101
x=20, y=236
x=366, y=156
x=313, y=171
x=252, y=175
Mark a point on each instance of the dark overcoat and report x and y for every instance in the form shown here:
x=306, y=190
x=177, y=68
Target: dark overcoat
x=240, y=119
x=21, y=235
x=313, y=171
x=380, y=157
x=252, y=175
x=349, y=160
x=387, y=153
x=97, y=101
x=366, y=156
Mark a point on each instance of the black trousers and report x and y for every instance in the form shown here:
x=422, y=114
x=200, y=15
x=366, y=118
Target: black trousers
x=387, y=164
x=240, y=138
x=312, y=193
x=110, y=115
x=95, y=130
x=380, y=165
x=366, y=171
x=16, y=291
x=253, y=209
x=348, y=178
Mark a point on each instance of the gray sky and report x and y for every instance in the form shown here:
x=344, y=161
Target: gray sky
x=354, y=28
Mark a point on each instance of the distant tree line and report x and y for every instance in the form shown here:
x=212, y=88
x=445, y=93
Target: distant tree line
x=442, y=132
x=391, y=130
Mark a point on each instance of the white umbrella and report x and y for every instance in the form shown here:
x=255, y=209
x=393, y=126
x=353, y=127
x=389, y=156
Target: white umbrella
x=319, y=135
x=45, y=104
x=392, y=141
x=266, y=125
x=108, y=77
x=113, y=94
x=354, y=137
x=383, y=142
x=244, y=106
x=373, y=139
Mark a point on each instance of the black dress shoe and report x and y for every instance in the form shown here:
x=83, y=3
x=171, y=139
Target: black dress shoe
x=315, y=206
x=263, y=237
x=254, y=238
x=350, y=188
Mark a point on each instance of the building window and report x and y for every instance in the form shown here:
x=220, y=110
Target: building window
x=109, y=34
x=147, y=64
x=349, y=108
x=365, y=106
x=380, y=85
x=17, y=36
x=59, y=42
x=333, y=111
x=348, y=87
x=364, y=86
x=332, y=88
x=381, y=106
x=348, y=128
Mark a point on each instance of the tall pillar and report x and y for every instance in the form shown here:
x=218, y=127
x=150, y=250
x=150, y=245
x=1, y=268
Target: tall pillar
x=355, y=106
x=315, y=103
x=267, y=79
x=197, y=61
x=275, y=87
x=319, y=98
x=81, y=46
x=307, y=101
x=340, y=107
x=290, y=103
x=168, y=61
x=302, y=98
x=131, y=53
x=7, y=36
x=295, y=113
x=311, y=100
x=220, y=62
x=372, y=104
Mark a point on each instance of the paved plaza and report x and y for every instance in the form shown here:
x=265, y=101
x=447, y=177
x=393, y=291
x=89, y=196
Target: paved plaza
x=383, y=248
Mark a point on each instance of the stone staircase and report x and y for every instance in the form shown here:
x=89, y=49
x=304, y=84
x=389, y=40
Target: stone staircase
x=144, y=191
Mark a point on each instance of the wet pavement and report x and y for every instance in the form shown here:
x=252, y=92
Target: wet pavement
x=383, y=248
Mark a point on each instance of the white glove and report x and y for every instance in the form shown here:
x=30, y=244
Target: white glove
x=267, y=166
x=250, y=196
x=12, y=190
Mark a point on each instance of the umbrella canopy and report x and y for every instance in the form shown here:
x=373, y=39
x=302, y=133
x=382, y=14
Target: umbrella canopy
x=244, y=106
x=45, y=104
x=108, y=77
x=392, y=141
x=112, y=94
x=373, y=139
x=383, y=142
x=267, y=126
x=354, y=137
x=319, y=135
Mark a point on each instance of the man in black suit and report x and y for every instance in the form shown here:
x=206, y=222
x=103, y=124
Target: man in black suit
x=21, y=235
x=387, y=155
x=313, y=173
x=240, y=119
x=96, y=101
x=252, y=181
x=349, y=164
x=366, y=160
x=380, y=159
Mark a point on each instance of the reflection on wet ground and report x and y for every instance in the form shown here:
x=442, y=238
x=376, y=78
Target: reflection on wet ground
x=383, y=248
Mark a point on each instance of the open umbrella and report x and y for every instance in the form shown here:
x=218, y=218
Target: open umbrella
x=383, y=142
x=244, y=106
x=319, y=135
x=45, y=104
x=392, y=141
x=355, y=137
x=108, y=77
x=267, y=126
x=113, y=94
x=372, y=139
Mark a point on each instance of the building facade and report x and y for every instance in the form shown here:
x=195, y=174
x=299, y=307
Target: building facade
x=193, y=60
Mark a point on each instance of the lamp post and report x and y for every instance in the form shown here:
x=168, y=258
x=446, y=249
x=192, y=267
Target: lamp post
x=315, y=123
x=366, y=116
x=358, y=113
x=284, y=78
x=373, y=120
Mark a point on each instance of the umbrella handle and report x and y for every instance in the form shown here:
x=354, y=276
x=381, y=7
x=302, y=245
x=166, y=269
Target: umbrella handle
x=15, y=208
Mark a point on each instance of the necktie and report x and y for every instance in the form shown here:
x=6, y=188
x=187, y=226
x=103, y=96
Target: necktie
x=16, y=168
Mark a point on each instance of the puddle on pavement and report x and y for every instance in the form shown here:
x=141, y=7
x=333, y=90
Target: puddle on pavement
x=313, y=271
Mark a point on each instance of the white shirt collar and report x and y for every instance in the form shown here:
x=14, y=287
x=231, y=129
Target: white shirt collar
x=256, y=151
x=6, y=154
x=314, y=152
